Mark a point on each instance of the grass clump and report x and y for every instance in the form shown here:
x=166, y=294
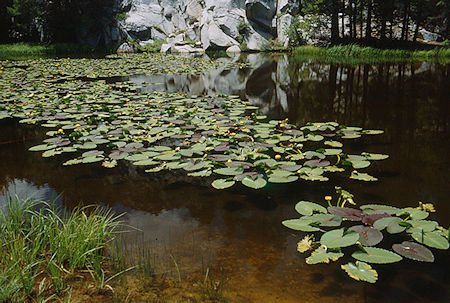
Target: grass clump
x=42, y=249
x=30, y=50
x=353, y=53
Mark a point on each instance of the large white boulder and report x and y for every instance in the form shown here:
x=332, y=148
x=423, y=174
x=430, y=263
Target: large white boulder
x=212, y=37
x=261, y=12
x=283, y=23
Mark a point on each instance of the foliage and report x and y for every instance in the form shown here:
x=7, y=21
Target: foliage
x=295, y=33
x=154, y=47
x=212, y=136
x=395, y=222
x=355, y=54
x=21, y=51
x=42, y=247
x=58, y=21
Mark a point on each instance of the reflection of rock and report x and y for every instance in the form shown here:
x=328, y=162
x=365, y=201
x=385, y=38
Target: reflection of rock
x=220, y=81
x=24, y=190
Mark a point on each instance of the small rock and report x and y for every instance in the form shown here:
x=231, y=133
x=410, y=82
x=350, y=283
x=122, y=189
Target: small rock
x=165, y=48
x=233, y=49
x=126, y=48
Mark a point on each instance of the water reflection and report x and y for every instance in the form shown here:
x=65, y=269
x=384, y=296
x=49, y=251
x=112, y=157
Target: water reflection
x=23, y=190
x=240, y=229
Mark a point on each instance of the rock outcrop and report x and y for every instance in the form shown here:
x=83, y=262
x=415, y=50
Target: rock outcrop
x=207, y=24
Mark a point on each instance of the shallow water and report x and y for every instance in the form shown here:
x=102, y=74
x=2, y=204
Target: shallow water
x=239, y=230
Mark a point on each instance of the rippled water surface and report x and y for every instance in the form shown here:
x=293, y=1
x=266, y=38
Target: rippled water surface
x=238, y=231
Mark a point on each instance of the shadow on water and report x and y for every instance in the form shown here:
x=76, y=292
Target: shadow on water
x=239, y=229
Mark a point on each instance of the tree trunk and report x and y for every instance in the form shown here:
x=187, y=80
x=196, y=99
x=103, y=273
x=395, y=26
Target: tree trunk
x=405, y=20
x=369, y=20
x=361, y=17
x=418, y=19
x=334, y=22
x=343, y=19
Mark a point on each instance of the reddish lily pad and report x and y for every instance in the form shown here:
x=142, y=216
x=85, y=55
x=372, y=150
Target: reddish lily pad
x=351, y=214
x=368, y=236
x=414, y=251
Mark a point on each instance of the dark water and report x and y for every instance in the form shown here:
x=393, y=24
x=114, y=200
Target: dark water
x=239, y=230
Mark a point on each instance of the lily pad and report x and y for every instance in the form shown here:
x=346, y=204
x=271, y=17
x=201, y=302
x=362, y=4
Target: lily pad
x=348, y=213
x=287, y=179
x=414, y=213
x=368, y=236
x=362, y=176
x=300, y=224
x=307, y=208
x=336, y=238
x=254, y=183
x=360, y=271
x=392, y=225
x=414, y=251
x=222, y=183
x=321, y=255
x=431, y=239
x=376, y=255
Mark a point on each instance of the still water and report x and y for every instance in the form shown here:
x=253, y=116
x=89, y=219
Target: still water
x=238, y=232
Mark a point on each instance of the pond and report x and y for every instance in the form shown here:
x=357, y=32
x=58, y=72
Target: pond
x=236, y=233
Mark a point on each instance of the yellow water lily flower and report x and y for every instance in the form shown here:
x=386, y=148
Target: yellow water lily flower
x=277, y=157
x=429, y=207
x=328, y=198
x=60, y=131
x=305, y=244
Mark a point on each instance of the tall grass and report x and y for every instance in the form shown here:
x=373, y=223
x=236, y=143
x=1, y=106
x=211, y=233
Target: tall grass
x=29, y=50
x=41, y=247
x=359, y=54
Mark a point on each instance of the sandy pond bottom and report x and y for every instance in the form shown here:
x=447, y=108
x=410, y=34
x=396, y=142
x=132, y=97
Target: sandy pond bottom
x=236, y=235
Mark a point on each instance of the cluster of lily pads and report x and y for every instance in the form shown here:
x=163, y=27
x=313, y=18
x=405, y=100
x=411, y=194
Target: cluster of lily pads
x=357, y=232
x=219, y=136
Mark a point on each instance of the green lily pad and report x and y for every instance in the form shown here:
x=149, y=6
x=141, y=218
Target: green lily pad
x=392, y=225
x=336, y=238
x=300, y=224
x=376, y=255
x=379, y=208
x=414, y=213
x=307, y=208
x=229, y=171
x=254, y=183
x=321, y=255
x=222, y=183
x=362, y=176
x=374, y=157
x=431, y=239
x=202, y=173
x=360, y=271
x=424, y=225
x=287, y=179
x=41, y=147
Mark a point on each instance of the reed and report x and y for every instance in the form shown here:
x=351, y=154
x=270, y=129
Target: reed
x=41, y=247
